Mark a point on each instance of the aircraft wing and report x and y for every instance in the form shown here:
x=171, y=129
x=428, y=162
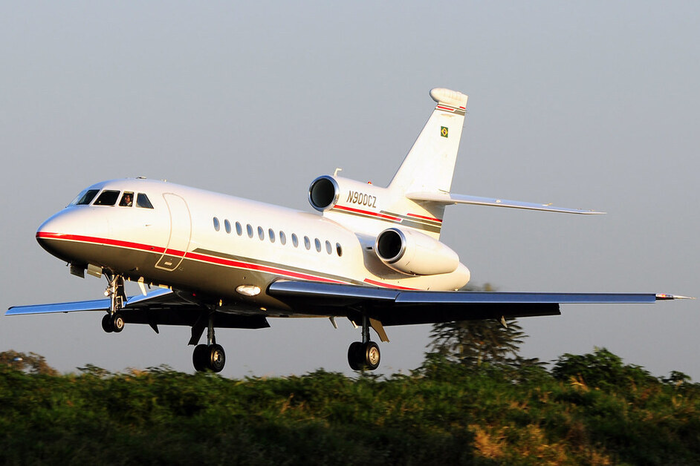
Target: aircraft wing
x=449, y=199
x=158, y=307
x=403, y=307
x=387, y=306
x=140, y=301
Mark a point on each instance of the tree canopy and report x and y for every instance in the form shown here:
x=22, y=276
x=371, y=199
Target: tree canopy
x=474, y=342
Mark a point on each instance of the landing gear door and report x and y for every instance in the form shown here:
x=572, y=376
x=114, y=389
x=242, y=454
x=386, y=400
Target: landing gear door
x=180, y=233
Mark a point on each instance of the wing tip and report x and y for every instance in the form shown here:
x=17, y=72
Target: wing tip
x=668, y=297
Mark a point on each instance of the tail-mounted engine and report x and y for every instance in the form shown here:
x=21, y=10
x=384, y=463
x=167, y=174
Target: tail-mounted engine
x=326, y=191
x=411, y=252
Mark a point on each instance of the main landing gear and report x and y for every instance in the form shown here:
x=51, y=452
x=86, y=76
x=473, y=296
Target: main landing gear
x=364, y=355
x=114, y=321
x=210, y=356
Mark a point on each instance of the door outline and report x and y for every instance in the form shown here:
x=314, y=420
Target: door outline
x=180, y=233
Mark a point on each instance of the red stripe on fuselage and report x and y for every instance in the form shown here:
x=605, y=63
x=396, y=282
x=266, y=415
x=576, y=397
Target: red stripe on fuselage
x=388, y=285
x=109, y=242
x=258, y=267
x=205, y=258
x=367, y=212
x=432, y=219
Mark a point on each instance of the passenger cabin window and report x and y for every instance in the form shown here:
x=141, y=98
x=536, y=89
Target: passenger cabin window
x=307, y=243
x=295, y=240
x=143, y=201
x=227, y=226
x=217, y=225
x=283, y=238
x=107, y=198
x=249, y=229
x=317, y=243
x=85, y=197
x=261, y=233
x=271, y=235
x=127, y=199
x=329, y=248
x=239, y=229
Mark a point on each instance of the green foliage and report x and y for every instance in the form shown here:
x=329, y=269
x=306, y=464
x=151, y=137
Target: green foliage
x=592, y=409
x=600, y=369
x=31, y=362
x=475, y=342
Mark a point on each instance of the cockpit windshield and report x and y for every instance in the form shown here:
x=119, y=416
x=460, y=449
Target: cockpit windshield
x=109, y=197
x=85, y=197
x=143, y=201
x=127, y=199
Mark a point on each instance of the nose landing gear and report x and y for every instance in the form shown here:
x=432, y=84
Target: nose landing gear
x=114, y=321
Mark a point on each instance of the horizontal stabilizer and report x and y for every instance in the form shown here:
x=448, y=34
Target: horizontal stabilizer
x=449, y=199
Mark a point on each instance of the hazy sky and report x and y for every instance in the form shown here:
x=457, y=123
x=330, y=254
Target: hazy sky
x=592, y=105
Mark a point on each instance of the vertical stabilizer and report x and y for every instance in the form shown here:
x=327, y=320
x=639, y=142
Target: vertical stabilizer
x=429, y=165
x=415, y=198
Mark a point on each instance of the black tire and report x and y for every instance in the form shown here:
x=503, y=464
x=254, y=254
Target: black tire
x=371, y=355
x=117, y=322
x=217, y=358
x=355, y=356
x=107, y=324
x=200, y=358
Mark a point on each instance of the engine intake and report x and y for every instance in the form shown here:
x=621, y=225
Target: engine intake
x=414, y=253
x=323, y=193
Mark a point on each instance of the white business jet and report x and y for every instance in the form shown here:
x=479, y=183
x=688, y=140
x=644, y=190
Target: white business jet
x=370, y=254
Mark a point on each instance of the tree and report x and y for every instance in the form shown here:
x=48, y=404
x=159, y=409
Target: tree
x=473, y=342
x=600, y=369
x=32, y=362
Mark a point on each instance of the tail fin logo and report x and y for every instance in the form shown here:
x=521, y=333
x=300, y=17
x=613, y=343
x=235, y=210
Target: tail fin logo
x=444, y=132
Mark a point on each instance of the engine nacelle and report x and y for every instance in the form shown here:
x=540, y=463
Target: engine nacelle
x=326, y=191
x=414, y=253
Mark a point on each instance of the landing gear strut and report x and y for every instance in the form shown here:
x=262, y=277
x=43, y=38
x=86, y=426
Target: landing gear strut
x=364, y=355
x=210, y=356
x=114, y=321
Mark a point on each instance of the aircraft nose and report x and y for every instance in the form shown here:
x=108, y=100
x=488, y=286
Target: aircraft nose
x=63, y=234
x=52, y=233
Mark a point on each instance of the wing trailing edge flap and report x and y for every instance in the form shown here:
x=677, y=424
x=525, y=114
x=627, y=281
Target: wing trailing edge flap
x=159, y=307
x=403, y=307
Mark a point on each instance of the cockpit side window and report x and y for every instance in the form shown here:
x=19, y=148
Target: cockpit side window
x=127, y=199
x=85, y=197
x=143, y=201
x=107, y=198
